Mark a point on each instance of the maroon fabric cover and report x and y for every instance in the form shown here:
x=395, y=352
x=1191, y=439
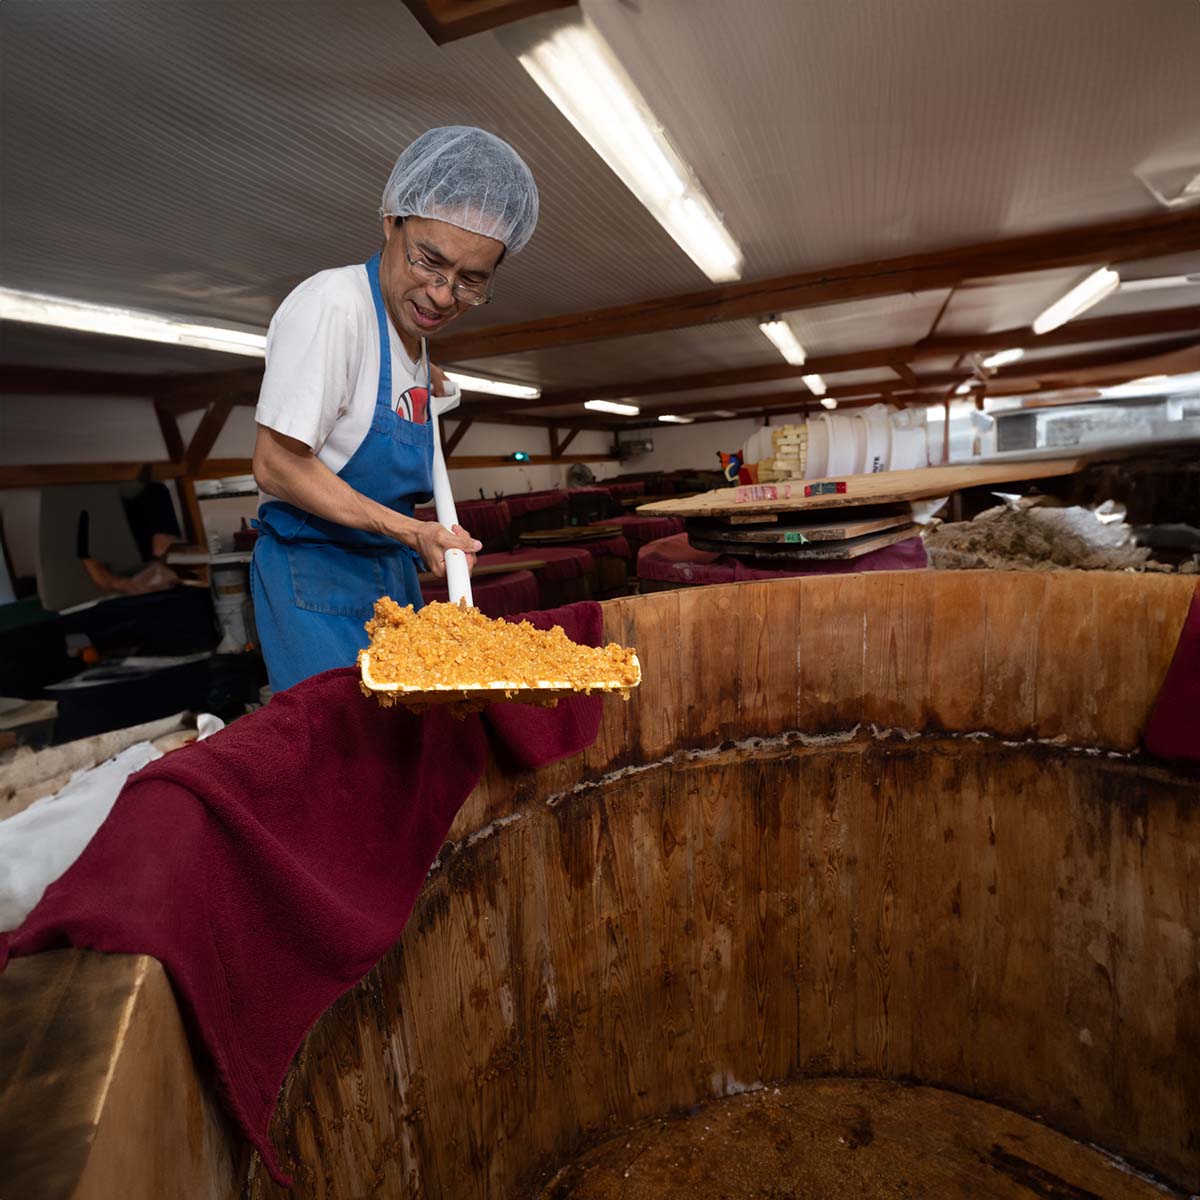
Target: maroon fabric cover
x=494, y=595
x=673, y=560
x=527, y=502
x=1174, y=727
x=908, y=555
x=610, y=547
x=640, y=530
x=562, y=562
x=621, y=491
x=271, y=866
x=487, y=520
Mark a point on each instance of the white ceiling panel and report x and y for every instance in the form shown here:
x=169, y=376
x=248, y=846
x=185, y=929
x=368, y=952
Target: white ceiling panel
x=866, y=376
x=1010, y=302
x=202, y=158
x=836, y=132
x=1121, y=302
x=864, y=324
x=1131, y=348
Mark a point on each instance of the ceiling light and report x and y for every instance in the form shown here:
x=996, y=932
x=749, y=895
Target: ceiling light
x=584, y=79
x=718, y=412
x=33, y=308
x=815, y=384
x=494, y=387
x=1078, y=300
x=1002, y=358
x=611, y=406
x=964, y=388
x=781, y=335
x=828, y=402
x=672, y=419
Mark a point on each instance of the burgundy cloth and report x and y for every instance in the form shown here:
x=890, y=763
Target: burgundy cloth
x=494, y=595
x=907, y=555
x=640, y=530
x=673, y=560
x=487, y=520
x=609, y=547
x=527, y=502
x=271, y=866
x=1174, y=727
x=563, y=563
x=625, y=489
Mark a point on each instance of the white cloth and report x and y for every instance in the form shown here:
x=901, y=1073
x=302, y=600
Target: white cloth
x=322, y=369
x=39, y=844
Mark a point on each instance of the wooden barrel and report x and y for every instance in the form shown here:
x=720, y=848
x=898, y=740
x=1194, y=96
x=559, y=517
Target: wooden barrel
x=852, y=832
x=891, y=826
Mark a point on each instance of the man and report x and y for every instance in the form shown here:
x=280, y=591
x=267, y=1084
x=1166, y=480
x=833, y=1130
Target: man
x=344, y=448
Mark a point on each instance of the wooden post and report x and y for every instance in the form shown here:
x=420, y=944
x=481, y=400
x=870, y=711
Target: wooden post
x=946, y=431
x=450, y=444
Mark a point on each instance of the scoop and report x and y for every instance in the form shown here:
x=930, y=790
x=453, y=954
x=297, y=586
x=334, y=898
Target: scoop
x=458, y=583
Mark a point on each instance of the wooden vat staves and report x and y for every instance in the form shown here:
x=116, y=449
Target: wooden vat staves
x=781, y=860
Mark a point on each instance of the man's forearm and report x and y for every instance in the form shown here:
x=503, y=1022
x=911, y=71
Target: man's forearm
x=304, y=481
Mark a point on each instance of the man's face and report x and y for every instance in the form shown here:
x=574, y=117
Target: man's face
x=420, y=308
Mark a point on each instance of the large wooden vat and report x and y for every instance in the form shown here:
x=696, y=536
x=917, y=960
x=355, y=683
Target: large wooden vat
x=887, y=826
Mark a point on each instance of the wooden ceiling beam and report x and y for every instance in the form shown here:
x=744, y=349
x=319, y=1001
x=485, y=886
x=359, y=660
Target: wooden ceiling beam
x=1049, y=374
x=1111, y=242
x=19, y=380
x=447, y=20
x=1097, y=329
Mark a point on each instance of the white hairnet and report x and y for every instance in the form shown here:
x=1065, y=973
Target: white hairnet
x=465, y=177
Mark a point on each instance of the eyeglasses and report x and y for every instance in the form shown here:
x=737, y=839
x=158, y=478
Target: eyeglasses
x=465, y=293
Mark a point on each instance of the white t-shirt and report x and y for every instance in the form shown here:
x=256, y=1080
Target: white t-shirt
x=322, y=369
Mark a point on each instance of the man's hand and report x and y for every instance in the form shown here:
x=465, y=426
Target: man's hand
x=433, y=540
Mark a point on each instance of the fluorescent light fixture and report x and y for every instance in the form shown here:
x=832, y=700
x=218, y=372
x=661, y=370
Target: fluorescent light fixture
x=1002, y=358
x=1079, y=299
x=494, y=387
x=611, y=406
x=964, y=387
x=784, y=340
x=672, y=419
x=723, y=413
x=828, y=402
x=33, y=308
x=578, y=71
x=815, y=384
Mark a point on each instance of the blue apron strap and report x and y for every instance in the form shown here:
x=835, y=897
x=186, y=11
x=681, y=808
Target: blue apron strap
x=383, y=393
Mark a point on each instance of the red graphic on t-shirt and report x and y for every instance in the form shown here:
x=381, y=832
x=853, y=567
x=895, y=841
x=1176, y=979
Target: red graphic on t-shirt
x=412, y=404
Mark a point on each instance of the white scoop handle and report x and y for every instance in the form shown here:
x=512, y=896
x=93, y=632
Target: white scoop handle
x=458, y=571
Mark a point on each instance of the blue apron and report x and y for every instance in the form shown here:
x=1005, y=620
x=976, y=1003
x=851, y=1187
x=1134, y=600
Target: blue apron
x=315, y=582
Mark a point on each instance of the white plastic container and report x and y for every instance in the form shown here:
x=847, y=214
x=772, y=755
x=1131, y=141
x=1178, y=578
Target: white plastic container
x=878, y=425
